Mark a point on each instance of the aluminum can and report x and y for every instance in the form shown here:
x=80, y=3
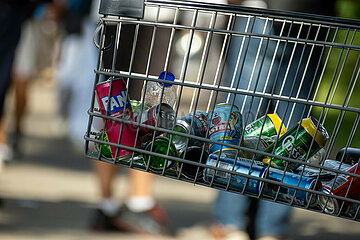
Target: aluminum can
x=296, y=143
x=336, y=165
x=352, y=155
x=160, y=115
x=318, y=157
x=314, y=173
x=185, y=124
x=270, y=125
x=119, y=107
x=236, y=182
x=256, y=143
x=194, y=154
x=159, y=145
x=288, y=194
x=224, y=115
x=340, y=186
x=324, y=175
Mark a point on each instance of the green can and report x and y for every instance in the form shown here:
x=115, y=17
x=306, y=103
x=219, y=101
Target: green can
x=272, y=126
x=256, y=143
x=105, y=150
x=159, y=145
x=297, y=148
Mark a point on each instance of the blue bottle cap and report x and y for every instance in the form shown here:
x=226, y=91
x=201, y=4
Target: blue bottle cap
x=169, y=77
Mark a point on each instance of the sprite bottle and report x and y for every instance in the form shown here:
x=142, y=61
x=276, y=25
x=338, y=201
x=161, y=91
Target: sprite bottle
x=160, y=145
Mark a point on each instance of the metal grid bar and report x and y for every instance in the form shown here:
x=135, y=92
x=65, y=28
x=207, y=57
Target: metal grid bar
x=279, y=55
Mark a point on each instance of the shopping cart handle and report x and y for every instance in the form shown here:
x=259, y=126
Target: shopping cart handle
x=123, y=8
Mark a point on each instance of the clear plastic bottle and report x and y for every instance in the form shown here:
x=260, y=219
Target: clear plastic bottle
x=154, y=90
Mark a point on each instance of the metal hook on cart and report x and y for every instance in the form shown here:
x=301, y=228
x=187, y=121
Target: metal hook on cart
x=99, y=28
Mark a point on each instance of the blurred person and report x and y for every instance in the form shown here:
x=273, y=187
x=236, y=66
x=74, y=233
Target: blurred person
x=238, y=215
x=12, y=15
x=140, y=211
x=9, y=34
x=33, y=54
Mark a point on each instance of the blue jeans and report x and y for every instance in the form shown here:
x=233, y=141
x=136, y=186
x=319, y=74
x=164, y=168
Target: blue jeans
x=272, y=219
x=264, y=66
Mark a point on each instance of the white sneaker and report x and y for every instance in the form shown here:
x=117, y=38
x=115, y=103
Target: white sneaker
x=6, y=153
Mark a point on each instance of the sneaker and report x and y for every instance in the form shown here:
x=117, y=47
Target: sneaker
x=101, y=222
x=153, y=221
x=6, y=153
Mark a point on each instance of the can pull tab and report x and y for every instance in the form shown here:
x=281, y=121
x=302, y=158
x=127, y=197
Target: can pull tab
x=123, y=8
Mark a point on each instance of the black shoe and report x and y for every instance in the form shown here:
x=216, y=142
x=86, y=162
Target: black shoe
x=153, y=221
x=102, y=222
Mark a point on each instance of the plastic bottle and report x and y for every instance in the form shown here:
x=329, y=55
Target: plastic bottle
x=154, y=90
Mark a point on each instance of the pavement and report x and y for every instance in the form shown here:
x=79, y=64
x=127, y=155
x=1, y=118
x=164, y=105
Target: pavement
x=49, y=191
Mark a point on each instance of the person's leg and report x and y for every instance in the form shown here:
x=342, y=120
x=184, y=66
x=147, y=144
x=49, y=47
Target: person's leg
x=141, y=184
x=252, y=65
x=24, y=70
x=273, y=220
x=140, y=212
x=140, y=197
x=105, y=173
x=21, y=101
x=11, y=20
x=230, y=213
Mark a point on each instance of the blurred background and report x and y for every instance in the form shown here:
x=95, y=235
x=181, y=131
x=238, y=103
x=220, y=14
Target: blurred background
x=48, y=189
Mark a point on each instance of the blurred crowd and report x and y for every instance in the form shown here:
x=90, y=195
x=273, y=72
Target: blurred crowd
x=58, y=34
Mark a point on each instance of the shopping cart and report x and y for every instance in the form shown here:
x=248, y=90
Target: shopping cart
x=288, y=81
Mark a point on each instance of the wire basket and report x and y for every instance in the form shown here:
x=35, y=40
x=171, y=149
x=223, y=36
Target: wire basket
x=252, y=101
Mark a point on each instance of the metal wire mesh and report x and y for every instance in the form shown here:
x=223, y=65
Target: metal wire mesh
x=303, y=68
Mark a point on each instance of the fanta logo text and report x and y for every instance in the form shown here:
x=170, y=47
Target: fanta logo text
x=288, y=144
x=117, y=102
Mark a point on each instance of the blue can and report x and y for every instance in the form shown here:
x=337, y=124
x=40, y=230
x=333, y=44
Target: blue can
x=237, y=182
x=301, y=197
x=225, y=115
x=199, y=125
